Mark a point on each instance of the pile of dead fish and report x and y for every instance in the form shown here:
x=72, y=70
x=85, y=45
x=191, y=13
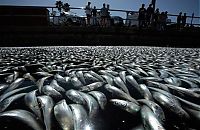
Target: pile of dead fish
x=99, y=88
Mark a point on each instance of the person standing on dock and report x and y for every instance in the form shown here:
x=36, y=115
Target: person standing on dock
x=103, y=15
x=88, y=12
x=142, y=16
x=149, y=16
x=156, y=18
x=94, y=16
x=108, y=18
x=178, y=20
x=184, y=17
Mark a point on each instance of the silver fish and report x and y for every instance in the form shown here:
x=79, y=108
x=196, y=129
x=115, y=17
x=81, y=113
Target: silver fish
x=188, y=104
x=118, y=81
x=100, y=97
x=92, y=86
x=75, y=96
x=156, y=109
x=173, y=81
x=28, y=88
x=6, y=102
x=3, y=87
x=103, y=72
x=91, y=104
x=50, y=91
x=15, y=84
x=96, y=75
x=63, y=115
x=90, y=78
x=119, y=93
x=31, y=101
x=76, y=82
x=24, y=116
x=142, y=71
x=150, y=121
x=171, y=104
x=60, y=79
x=133, y=83
x=133, y=73
x=157, y=85
x=81, y=120
x=108, y=79
x=40, y=83
x=29, y=76
x=126, y=105
x=54, y=84
x=145, y=92
x=80, y=75
x=122, y=75
x=47, y=107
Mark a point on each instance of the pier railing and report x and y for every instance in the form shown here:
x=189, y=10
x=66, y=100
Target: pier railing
x=54, y=13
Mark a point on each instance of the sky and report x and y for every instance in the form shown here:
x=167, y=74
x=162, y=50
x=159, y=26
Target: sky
x=172, y=6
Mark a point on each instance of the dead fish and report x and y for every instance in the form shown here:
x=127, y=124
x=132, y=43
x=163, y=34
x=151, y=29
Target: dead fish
x=96, y=75
x=185, y=83
x=3, y=87
x=15, y=84
x=158, y=85
x=100, y=97
x=75, y=96
x=80, y=75
x=145, y=92
x=54, y=84
x=108, y=79
x=173, y=81
x=171, y=104
x=120, y=84
x=91, y=104
x=117, y=93
x=89, y=78
x=50, y=91
x=91, y=87
x=6, y=102
x=80, y=117
x=133, y=73
x=103, y=72
x=40, y=83
x=60, y=79
x=31, y=101
x=12, y=77
x=156, y=109
x=76, y=83
x=63, y=115
x=29, y=76
x=27, y=117
x=134, y=87
x=122, y=75
x=142, y=71
x=155, y=79
x=150, y=121
x=47, y=104
x=128, y=106
x=27, y=89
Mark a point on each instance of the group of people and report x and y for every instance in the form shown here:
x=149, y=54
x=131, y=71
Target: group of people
x=101, y=18
x=150, y=18
x=181, y=20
